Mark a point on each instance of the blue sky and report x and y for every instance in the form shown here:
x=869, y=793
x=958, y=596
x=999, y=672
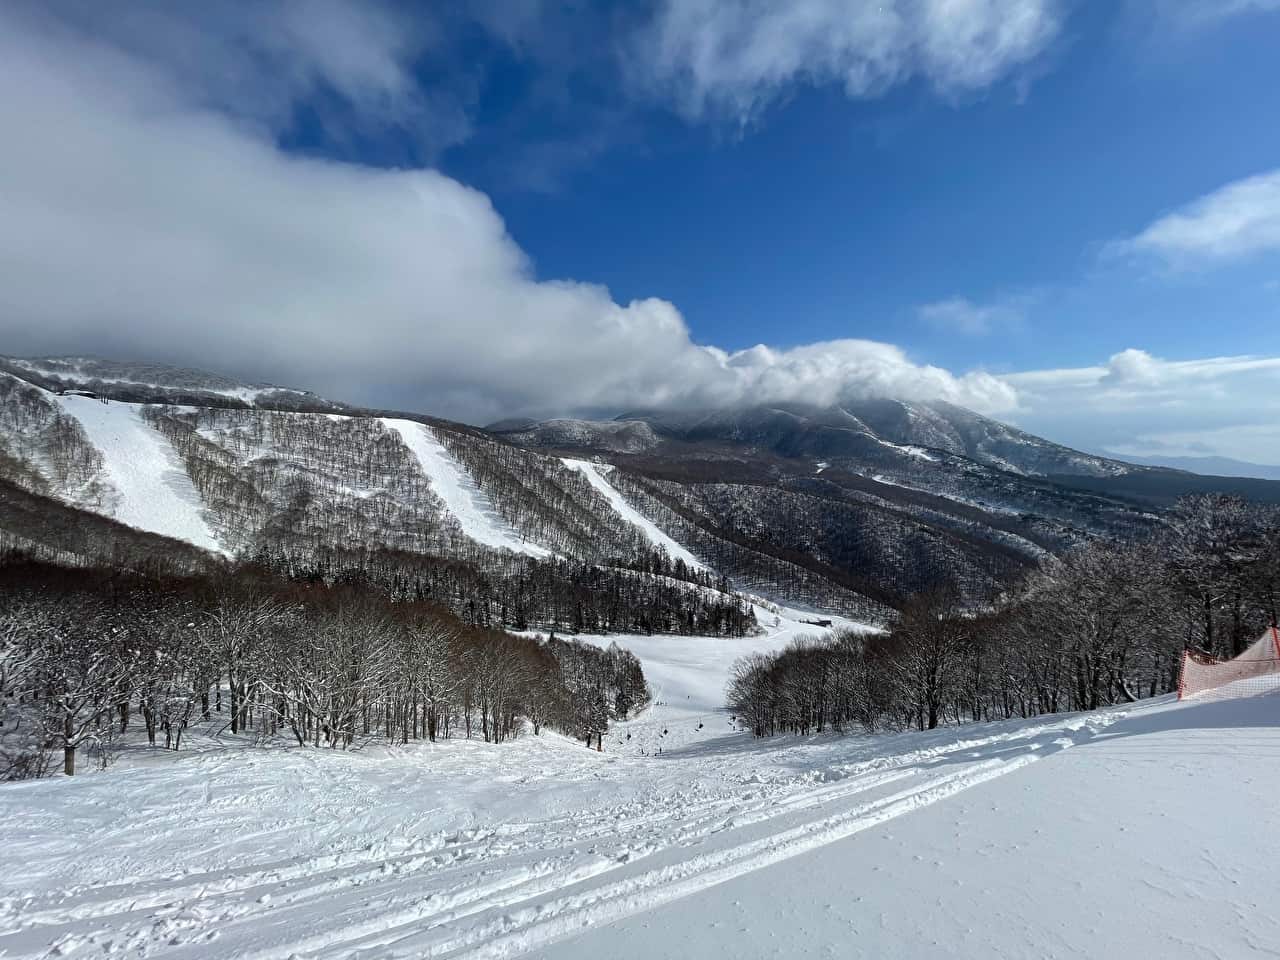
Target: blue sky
x=834, y=217
x=1064, y=214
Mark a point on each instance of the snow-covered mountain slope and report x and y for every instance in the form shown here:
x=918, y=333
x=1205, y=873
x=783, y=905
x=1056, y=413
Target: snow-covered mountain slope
x=149, y=489
x=156, y=382
x=462, y=497
x=289, y=483
x=655, y=535
x=622, y=436
x=502, y=536
x=1074, y=836
x=848, y=509
x=688, y=678
x=851, y=430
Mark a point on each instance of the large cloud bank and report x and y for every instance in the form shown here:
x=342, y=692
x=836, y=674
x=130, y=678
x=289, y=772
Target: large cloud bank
x=144, y=219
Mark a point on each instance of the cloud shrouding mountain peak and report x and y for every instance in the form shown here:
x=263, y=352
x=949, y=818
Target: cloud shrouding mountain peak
x=193, y=239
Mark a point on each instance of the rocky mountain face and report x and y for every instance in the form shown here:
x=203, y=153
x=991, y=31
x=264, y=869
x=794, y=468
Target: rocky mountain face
x=651, y=521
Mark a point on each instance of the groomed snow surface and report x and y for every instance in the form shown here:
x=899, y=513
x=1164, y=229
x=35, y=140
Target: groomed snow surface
x=656, y=536
x=153, y=491
x=1144, y=831
x=460, y=493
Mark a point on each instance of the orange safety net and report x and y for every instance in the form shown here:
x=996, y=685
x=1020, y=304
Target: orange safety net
x=1257, y=670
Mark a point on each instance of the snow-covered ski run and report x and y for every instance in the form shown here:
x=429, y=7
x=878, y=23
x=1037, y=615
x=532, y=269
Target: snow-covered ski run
x=543, y=847
x=462, y=497
x=596, y=475
x=149, y=486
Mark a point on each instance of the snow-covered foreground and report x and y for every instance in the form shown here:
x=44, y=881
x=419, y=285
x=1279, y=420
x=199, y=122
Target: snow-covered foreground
x=1142, y=832
x=153, y=491
x=462, y=497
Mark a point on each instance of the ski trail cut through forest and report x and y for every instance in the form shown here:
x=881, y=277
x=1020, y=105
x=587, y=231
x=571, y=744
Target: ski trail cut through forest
x=460, y=493
x=633, y=516
x=153, y=490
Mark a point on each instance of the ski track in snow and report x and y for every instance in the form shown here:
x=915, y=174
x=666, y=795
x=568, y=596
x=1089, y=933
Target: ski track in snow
x=632, y=515
x=325, y=855
x=154, y=491
x=462, y=497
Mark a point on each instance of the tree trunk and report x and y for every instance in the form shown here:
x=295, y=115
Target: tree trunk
x=68, y=748
x=235, y=704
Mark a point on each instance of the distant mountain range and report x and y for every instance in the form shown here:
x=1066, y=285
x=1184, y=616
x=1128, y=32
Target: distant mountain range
x=875, y=431
x=1212, y=466
x=848, y=509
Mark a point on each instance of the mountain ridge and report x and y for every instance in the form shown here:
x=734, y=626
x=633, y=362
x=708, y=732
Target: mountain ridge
x=848, y=509
x=839, y=430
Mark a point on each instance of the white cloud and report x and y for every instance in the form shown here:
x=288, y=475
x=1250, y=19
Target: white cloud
x=351, y=64
x=962, y=315
x=735, y=57
x=1196, y=12
x=1234, y=221
x=140, y=222
x=1248, y=442
x=1228, y=406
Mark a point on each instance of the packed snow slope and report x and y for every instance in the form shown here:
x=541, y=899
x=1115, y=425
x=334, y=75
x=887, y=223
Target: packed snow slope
x=462, y=497
x=1138, y=833
x=688, y=676
x=152, y=490
x=1130, y=832
x=597, y=475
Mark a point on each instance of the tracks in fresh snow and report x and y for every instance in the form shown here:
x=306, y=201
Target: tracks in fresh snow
x=534, y=921
x=511, y=889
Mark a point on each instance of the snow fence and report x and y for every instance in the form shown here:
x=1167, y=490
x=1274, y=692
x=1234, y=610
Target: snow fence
x=1257, y=670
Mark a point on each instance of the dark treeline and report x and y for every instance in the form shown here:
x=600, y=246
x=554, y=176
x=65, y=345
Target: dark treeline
x=51, y=530
x=650, y=594
x=1107, y=623
x=753, y=562
x=885, y=554
x=87, y=653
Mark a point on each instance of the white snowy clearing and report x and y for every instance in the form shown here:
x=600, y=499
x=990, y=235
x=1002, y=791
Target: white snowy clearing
x=1142, y=831
x=153, y=491
x=462, y=497
x=688, y=676
x=633, y=516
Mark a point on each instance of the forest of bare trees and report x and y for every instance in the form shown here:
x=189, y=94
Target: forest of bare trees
x=86, y=654
x=1107, y=623
x=34, y=430
x=651, y=594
